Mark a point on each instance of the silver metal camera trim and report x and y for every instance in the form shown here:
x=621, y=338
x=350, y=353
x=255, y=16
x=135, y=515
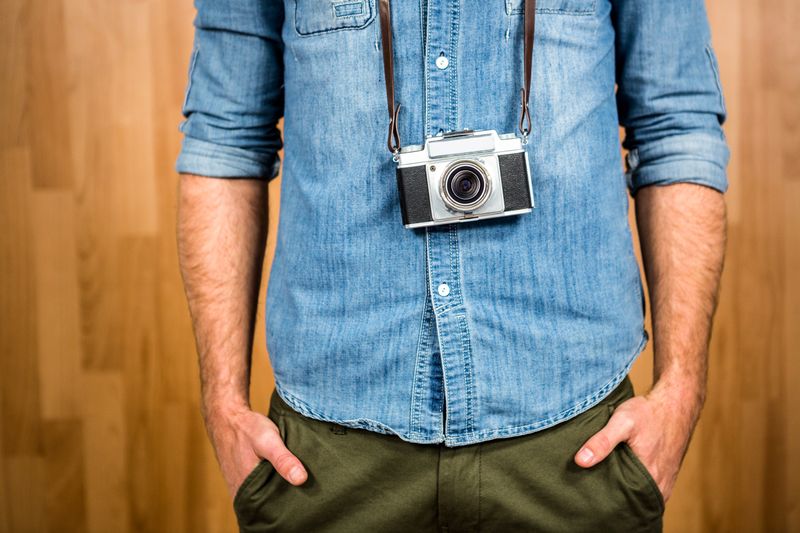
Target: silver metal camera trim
x=479, y=142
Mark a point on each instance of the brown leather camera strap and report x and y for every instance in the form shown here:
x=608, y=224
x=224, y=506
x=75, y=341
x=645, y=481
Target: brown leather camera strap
x=393, y=142
x=388, y=70
x=530, y=25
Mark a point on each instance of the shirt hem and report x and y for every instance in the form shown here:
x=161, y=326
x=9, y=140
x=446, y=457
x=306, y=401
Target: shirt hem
x=476, y=436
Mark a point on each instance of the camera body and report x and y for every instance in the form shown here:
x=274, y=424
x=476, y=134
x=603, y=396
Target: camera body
x=463, y=176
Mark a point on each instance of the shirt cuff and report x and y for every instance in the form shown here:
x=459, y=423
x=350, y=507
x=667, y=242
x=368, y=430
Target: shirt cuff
x=219, y=161
x=692, y=158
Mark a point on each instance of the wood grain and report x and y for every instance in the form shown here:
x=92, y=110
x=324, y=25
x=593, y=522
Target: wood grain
x=99, y=423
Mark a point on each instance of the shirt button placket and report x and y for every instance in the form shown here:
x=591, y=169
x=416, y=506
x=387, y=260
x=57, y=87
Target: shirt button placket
x=444, y=273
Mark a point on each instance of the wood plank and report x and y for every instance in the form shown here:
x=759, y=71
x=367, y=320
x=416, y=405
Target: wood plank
x=25, y=475
x=5, y=486
x=136, y=341
x=55, y=263
x=173, y=464
x=105, y=441
x=13, y=74
x=64, y=493
x=111, y=124
x=19, y=382
x=130, y=117
x=791, y=371
x=48, y=137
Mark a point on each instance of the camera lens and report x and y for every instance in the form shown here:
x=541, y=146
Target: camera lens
x=465, y=186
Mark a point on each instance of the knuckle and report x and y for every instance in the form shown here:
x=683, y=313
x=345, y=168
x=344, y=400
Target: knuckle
x=269, y=439
x=626, y=422
x=265, y=442
x=601, y=442
x=283, y=462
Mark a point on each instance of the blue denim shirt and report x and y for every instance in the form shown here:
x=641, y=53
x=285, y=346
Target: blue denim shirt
x=465, y=332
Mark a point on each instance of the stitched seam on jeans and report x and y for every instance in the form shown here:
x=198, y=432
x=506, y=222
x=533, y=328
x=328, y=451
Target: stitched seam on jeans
x=469, y=438
x=278, y=406
x=348, y=9
x=422, y=344
x=612, y=402
x=436, y=317
x=302, y=408
x=466, y=354
x=583, y=11
x=455, y=22
x=553, y=420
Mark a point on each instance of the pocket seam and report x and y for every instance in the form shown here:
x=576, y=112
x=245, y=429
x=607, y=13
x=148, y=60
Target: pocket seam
x=626, y=449
x=369, y=4
x=248, y=481
x=644, y=472
x=580, y=12
x=337, y=6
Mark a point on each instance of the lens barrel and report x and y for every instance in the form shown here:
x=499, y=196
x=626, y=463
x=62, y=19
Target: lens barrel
x=465, y=185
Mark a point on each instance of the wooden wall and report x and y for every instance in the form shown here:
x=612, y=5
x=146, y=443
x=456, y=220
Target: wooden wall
x=99, y=423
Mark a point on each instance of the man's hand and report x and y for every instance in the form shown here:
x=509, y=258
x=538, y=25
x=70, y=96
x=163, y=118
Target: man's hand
x=242, y=438
x=657, y=433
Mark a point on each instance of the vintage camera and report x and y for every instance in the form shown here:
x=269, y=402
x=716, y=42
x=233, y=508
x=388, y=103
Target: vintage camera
x=463, y=176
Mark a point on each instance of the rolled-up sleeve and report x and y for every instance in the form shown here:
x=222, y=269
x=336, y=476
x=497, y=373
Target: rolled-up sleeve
x=234, y=96
x=669, y=95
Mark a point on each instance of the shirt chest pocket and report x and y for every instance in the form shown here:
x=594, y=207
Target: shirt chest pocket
x=555, y=7
x=314, y=17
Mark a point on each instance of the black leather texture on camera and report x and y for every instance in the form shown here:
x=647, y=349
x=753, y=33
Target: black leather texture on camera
x=515, y=181
x=415, y=204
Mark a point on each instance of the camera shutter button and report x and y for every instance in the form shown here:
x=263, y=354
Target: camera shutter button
x=443, y=289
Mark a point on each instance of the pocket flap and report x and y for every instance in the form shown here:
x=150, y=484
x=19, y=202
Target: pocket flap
x=313, y=17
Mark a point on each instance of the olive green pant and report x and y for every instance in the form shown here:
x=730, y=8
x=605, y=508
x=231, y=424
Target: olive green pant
x=363, y=481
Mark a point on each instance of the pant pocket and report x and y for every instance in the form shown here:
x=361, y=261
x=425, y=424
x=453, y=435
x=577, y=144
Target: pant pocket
x=531, y=483
x=251, y=483
x=636, y=479
x=645, y=474
x=252, y=497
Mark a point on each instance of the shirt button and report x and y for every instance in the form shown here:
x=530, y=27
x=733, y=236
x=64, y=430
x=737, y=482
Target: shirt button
x=443, y=289
x=442, y=62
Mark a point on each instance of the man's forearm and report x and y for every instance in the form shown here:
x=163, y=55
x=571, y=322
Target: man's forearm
x=222, y=233
x=682, y=234
x=222, y=228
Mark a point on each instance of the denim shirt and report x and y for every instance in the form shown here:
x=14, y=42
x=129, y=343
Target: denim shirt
x=467, y=332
